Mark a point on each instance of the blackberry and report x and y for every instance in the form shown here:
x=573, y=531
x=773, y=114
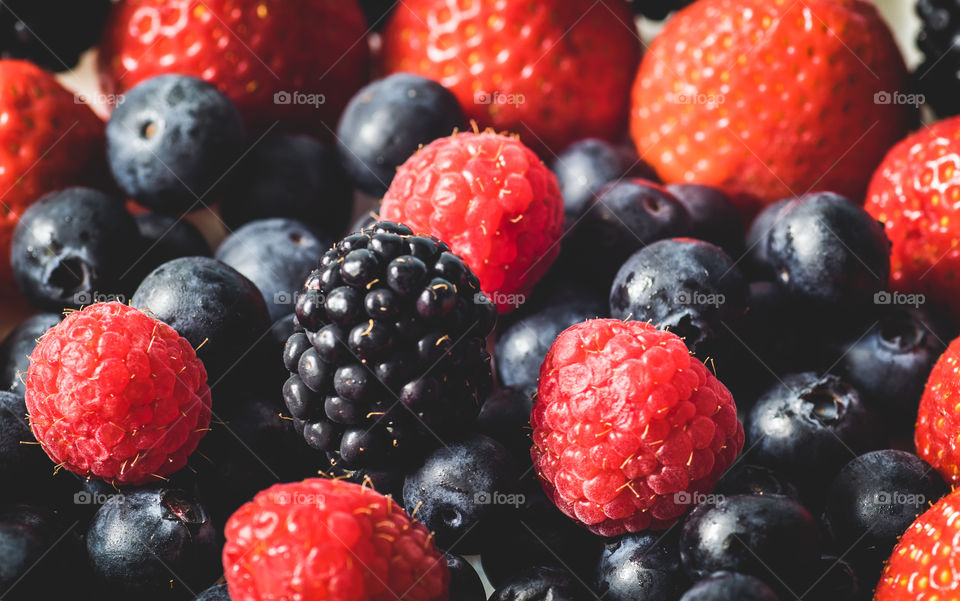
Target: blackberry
x=392, y=356
x=938, y=76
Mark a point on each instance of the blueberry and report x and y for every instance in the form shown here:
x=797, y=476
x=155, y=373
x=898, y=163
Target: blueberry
x=658, y=9
x=808, y=426
x=148, y=541
x=465, y=583
x=689, y=286
x=20, y=455
x=726, y=586
x=505, y=417
x=277, y=255
x=747, y=479
x=835, y=580
x=167, y=238
x=715, y=218
x=748, y=534
x=641, y=566
x=40, y=554
x=17, y=346
x=890, y=362
x=377, y=12
x=826, y=250
x=209, y=303
x=74, y=247
x=387, y=121
x=171, y=141
x=587, y=165
x=874, y=499
x=758, y=263
x=51, y=33
x=541, y=582
x=460, y=489
x=523, y=345
x=214, y=593
x=293, y=176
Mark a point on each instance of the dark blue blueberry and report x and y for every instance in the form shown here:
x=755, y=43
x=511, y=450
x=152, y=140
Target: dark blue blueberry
x=387, y=121
x=825, y=250
x=587, y=165
x=51, y=33
x=167, y=238
x=465, y=583
x=715, y=218
x=460, y=489
x=757, y=262
x=41, y=554
x=74, y=247
x=172, y=140
x=541, y=583
x=17, y=346
x=747, y=479
x=689, y=286
x=727, y=586
x=377, y=12
x=153, y=542
x=505, y=417
x=209, y=303
x=214, y=593
x=771, y=537
x=807, y=427
x=641, y=566
x=872, y=502
x=293, y=176
x=21, y=457
x=834, y=580
x=277, y=255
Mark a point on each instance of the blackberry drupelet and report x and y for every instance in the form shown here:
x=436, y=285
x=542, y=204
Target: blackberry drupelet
x=938, y=76
x=392, y=355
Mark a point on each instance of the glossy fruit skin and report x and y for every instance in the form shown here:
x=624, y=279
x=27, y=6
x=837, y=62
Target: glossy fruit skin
x=20, y=457
x=722, y=586
x=936, y=77
x=628, y=427
x=371, y=550
x=748, y=479
x=139, y=537
x=44, y=120
x=41, y=560
x=911, y=193
x=689, y=286
x=214, y=593
x=872, y=502
x=171, y=141
x=523, y=67
x=714, y=217
x=456, y=490
x=540, y=583
x=276, y=255
x=259, y=70
x=293, y=176
x=638, y=566
x=465, y=583
x=923, y=563
x=387, y=121
x=74, y=246
x=17, y=346
x=207, y=300
x=50, y=33
x=492, y=200
x=935, y=434
x=767, y=106
x=505, y=417
x=167, y=238
x=746, y=534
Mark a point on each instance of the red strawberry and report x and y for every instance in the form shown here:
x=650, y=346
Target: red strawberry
x=915, y=193
x=553, y=71
x=937, y=434
x=925, y=565
x=771, y=99
x=48, y=140
x=293, y=62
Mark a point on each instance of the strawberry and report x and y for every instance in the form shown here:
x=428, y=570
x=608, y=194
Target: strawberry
x=771, y=99
x=925, y=565
x=553, y=71
x=293, y=62
x=914, y=193
x=48, y=140
x=937, y=433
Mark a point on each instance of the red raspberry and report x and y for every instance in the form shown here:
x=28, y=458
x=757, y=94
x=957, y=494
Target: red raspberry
x=628, y=428
x=492, y=200
x=117, y=394
x=937, y=435
x=330, y=540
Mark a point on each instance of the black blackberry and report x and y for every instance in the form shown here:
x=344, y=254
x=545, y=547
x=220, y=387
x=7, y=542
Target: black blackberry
x=938, y=76
x=392, y=357
x=51, y=33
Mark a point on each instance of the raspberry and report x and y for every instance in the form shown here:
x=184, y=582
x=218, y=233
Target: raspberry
x=492, y=200
x=628, y=428
x=330, y=540
x=937, y=434
x=116, y=394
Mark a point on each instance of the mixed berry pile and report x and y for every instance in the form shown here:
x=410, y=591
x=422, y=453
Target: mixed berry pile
x=478, y=300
